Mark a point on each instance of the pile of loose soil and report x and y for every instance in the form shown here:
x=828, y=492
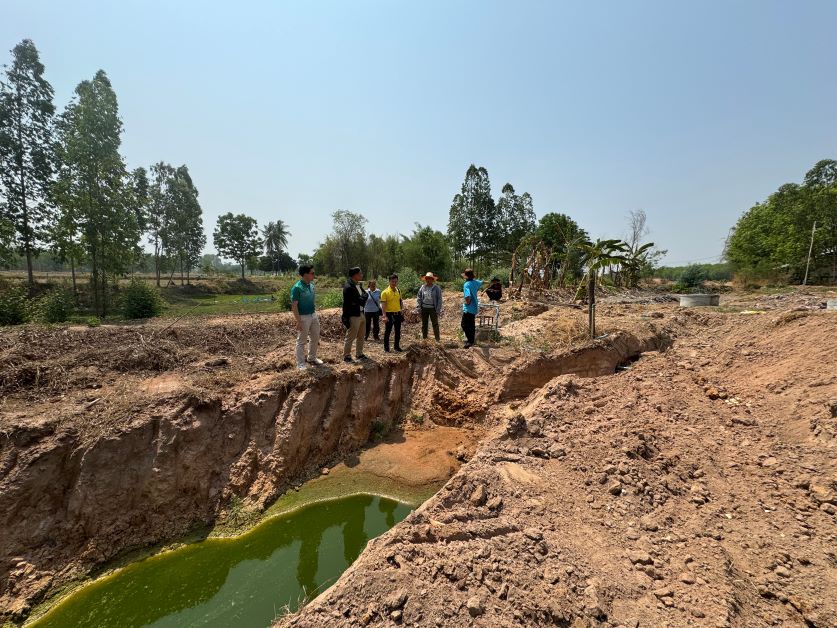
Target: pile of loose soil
x=696, y=487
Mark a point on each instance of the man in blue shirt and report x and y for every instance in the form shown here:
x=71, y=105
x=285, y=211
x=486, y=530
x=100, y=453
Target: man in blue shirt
x=307, y=322
x=470, y=307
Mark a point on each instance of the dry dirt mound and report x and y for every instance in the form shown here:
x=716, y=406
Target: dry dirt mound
x=699, y=487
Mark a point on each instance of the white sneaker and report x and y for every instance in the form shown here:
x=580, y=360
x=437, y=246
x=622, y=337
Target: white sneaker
x=301, y=367
x=316, y=361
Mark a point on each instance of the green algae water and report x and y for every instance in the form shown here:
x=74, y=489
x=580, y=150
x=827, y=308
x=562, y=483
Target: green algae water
x=245, y=581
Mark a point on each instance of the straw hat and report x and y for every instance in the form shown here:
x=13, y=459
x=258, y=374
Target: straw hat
x=429, y=275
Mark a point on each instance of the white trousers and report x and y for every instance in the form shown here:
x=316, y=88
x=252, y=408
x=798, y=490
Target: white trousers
x=310, y=333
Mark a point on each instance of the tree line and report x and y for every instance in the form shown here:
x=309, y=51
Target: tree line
x=485, y=234
x=65, y=189
x=791, y=234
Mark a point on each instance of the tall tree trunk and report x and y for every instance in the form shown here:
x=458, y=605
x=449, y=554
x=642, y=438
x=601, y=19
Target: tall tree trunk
x=181, y=270
x=242, y=270
x=94, y=279
x=73, y=271
x=27, y=237
x=157, y=263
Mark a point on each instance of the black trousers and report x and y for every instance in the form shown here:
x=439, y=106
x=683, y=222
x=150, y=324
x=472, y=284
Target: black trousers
x=393, y=320
x=469, y=326
x=429, y=314
x=373, y=324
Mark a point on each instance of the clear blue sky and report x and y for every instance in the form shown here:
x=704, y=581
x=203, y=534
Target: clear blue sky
x=692, y=111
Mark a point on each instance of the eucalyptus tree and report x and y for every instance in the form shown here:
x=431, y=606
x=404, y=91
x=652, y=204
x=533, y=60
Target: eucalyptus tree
x=7, y=236
x=26, y=150
x=93, y=189
x=516, y=220
x=159, y=212
x=472, y=222
x=236, y=237
x=183, y=234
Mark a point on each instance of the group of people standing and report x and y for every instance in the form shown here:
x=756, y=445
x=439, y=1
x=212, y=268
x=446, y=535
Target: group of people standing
x=364, y=307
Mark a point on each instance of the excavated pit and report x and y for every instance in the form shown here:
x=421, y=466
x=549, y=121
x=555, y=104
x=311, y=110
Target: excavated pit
x=70, y=504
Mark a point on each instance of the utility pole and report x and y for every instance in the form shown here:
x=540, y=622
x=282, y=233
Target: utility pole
x=810, y=248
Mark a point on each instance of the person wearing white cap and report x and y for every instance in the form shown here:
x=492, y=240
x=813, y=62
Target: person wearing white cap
x=429, y=304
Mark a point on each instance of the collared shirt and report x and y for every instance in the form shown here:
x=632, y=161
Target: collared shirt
x=391, y=300
x=470, y=290
x=303, y=294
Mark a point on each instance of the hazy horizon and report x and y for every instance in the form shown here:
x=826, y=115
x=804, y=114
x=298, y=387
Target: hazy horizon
x=693, y=113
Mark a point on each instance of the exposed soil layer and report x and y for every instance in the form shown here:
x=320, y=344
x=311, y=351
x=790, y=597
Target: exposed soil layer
x=150, y=447
x=697, y=487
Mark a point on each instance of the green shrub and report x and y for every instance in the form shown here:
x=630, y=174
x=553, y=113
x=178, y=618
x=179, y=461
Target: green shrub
x=457, y=284
x=141, y=300
x=14, y=307
x=379, y=430
x=692, y=277
x=409, y=282
x=330, y=298
x=56, y=306
x=284, y=299
x=502, y=273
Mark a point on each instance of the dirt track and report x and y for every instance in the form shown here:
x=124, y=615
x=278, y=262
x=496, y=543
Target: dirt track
x=697, y=488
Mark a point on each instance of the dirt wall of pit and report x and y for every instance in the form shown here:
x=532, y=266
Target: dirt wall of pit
x=69, y=503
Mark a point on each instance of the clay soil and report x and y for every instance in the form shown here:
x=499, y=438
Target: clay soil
x=698, y=486
x=695, y=485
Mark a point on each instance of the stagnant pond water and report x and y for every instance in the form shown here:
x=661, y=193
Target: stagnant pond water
x=245, y=581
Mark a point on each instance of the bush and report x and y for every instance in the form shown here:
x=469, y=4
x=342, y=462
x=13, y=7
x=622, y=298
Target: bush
x=56, y=306
x=692, y=277
x=502, y=273
x=141, y=300
x=284, y=298
x=409, y=282
x=14, y=307
x=330, y=298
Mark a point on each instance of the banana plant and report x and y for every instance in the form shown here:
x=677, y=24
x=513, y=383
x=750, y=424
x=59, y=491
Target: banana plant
x=633, y=263
x=595, y=256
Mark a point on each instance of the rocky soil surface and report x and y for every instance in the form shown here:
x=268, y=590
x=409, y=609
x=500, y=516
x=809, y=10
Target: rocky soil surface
x=697, y=486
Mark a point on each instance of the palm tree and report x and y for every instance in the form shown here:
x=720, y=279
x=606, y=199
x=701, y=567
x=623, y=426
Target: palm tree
x=275, y=239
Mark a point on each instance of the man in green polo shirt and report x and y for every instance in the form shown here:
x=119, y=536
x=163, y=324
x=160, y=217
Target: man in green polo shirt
x=307, y=322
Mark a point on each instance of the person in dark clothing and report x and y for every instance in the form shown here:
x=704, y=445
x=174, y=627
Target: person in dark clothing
x=494, y=291
x=354, y=300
